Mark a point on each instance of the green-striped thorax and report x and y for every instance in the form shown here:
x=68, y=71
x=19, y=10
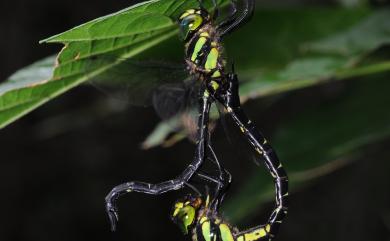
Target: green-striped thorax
x=192, y=214
x=203, y=47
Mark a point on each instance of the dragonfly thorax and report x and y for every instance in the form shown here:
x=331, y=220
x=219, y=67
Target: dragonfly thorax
x=203, y=48
x=210, y=227
x=204, y=54
x=196, y=215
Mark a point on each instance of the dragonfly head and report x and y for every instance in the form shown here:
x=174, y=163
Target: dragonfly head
x=185, y=212
x=191, y=21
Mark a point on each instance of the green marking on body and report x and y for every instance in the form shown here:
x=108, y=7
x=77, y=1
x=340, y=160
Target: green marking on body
x=214, y=85
x=255, y=234
x=206, y=231
x=197, y=22
x=198, y=46
x=212, y=58
x=216, y=74
x=226, y=233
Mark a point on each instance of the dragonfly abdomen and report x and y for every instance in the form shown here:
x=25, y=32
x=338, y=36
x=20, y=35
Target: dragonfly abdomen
x=213, y=228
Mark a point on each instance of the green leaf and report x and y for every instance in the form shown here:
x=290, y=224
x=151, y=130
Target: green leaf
x=366, y=36
x=18, y=99
x=34, y=74
x=348, y=124
x=306, y=61
x=124, y=34
x=161, y=133
x=285, y=50
x=288, y=55
x=18, y=94
x=138, y=19
x=114, y=27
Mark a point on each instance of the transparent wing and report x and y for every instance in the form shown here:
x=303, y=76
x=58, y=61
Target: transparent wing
x=136, y=81
x=165, y=86
x=175, y=98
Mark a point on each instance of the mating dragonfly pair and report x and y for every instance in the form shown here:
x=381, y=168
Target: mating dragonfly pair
x=204, y=60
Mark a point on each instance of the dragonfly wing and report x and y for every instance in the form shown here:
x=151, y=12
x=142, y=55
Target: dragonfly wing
x=165, y=86
x=135, y=81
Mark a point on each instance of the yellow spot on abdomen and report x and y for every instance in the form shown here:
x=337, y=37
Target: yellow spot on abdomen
x=259, y=151
x=268, y=228
x=255, y=235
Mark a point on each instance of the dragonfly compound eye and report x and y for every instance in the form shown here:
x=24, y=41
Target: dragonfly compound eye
x=190, y=22
x=184, y=215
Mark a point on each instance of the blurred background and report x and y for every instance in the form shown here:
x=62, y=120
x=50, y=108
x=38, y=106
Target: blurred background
x=58, y=162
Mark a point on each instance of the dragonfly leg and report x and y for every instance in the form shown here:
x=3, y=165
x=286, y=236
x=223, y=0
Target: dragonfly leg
x=225, y=179
x=231, y=101
x=235, y=20
x=222, y=186
x=222, y=181
x=170, y=185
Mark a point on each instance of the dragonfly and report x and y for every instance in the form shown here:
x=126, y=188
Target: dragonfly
x=196, y=215
x=205, y=62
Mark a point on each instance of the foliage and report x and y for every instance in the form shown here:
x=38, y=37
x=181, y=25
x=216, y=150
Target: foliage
x=279, y=51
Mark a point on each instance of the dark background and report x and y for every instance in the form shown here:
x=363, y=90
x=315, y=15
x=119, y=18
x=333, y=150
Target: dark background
x=58, y=163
